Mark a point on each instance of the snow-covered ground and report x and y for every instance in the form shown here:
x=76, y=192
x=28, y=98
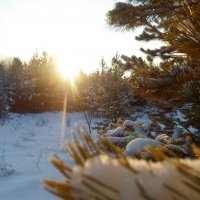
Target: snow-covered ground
x=26, y=143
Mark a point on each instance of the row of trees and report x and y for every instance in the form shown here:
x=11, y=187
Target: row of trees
x=36, y=86
x=30, y=87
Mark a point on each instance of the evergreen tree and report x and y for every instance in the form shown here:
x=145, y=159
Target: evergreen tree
x=82, y=85
x=46, y=89
x=115, y=95
x=155, y=16
x=104, y=92
x=175, y=80
x=95, y=92
x=3, y=94
x=35, y=86
x=16, y=85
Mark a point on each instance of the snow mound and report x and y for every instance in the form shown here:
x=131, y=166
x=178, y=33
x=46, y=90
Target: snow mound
x=136, y=146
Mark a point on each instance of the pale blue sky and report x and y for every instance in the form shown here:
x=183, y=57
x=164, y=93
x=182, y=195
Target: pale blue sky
x=75, y=32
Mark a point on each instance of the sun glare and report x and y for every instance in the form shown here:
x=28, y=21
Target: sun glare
x=67, y=71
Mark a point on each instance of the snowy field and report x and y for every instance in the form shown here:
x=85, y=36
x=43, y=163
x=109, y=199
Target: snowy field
x=28, y=141
x=26, y=144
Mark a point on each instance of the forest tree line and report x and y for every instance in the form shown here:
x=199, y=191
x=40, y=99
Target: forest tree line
x=37, y=86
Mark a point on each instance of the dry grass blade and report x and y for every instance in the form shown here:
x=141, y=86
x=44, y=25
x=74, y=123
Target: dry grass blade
x=59, y=189
x=80, y=136
x=81, y=185
x=105, y=186
x=196, y=150
x=96, y=190
x=62, y=167
x=188, y=172
x=74, y=154
x=122, y=159
x=83, y=152
x=193, y=187
x=143, y=192
x=175, y=191
x=156, y=153
x=93, y=147
x=88, y=143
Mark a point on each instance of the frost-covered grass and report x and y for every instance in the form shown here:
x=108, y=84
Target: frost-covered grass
x=103, y=177
x=26, y=143
x=113, y=176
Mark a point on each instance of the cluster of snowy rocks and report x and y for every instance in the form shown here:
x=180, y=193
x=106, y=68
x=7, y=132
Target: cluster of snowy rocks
x=133, y=137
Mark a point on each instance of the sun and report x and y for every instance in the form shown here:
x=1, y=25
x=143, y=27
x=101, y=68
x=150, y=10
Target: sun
x=68, y=71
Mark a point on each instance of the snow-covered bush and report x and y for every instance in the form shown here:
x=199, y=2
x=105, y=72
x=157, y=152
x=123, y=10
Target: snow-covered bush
x=143, y=132
x=123, y=132
x=117, y=177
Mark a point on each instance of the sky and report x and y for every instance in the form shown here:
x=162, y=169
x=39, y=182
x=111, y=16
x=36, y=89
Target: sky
x=75, y=33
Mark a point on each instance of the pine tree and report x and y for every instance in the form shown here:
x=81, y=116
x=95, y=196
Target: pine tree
x=104, y=92
x=82, y=92
x=175, y=80
x=46, y=90
x=155, y=16
x=3, y=93
x=115, y=95
x=17, y=84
